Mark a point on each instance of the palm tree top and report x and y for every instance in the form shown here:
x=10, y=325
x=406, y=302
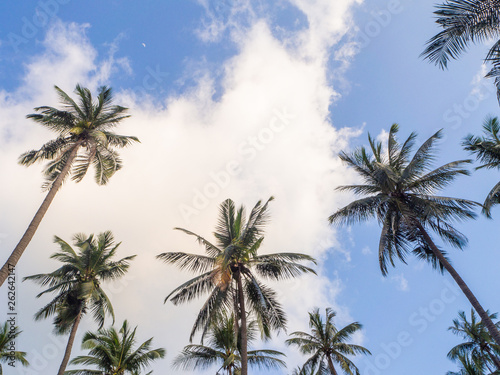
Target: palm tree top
x=233, y=259
x=399, y=191
x=86, y=125
x=116, y=352
x=80, y=278
x=327, y=344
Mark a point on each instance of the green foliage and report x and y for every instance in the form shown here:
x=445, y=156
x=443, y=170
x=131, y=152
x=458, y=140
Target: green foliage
x=487, y=152
x=115, y=352
x=399, y=192
x=478, y=354
x=7, y=335
x=235, y=254
x=222, y=350
x=85, y=125
x=77, y=282
x=327, y=344
x=466, y=22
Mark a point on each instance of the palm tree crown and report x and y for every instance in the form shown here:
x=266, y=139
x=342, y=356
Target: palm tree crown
x=222, y=350
x=465, y=22
x=84, y=138
x=487, y=151
x=115, y=352
x=229, y=273
x=399, y=192
x=327, y=344
x=77, y=283
x=86, y=126
x=479, y=346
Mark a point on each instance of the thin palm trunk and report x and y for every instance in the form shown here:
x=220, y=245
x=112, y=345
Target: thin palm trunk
x=243, y=328
x=69, y=346
x=495, y=334
x=35, y=222
x=330, y=365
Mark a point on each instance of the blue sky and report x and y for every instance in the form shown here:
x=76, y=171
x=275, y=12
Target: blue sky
x=205, y=81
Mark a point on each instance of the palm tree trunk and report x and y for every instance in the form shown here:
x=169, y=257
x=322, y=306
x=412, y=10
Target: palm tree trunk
x=243, y=328
x=69, y=346
x=495, y=334
x=35, y=222
x=330, y=365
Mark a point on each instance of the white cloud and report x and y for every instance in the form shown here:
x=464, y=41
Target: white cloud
x=272, y=119
x=401, y=282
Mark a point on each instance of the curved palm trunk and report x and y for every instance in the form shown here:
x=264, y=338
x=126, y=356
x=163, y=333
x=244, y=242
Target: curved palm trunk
x=244, y=340
x=35, y=222
x=69, y=346
x=495, y=334
x=330, y=365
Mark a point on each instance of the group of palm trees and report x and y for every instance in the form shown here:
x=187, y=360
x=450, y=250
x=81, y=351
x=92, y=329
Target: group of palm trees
x=399, y=188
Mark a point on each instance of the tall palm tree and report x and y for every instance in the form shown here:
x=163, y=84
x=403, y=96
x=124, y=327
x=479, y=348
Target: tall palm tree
x=115, y=353
x=487, y=151
x=222, y=350
x=478, y=342
x=84, y=139
x=466, y=22
x=78, y=284
x=399, y=192
x=7, y=353
x=229, y=273
x=327, y=344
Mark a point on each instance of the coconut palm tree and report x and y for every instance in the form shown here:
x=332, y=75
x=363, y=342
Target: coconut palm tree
x=222, y=350
x=478, y=342
x=115, y=353
x=78, y=284
x=399, y=192
x=230, y=270
x=84, y=139
x=8, y=354
x=326, y=344
x=487, y=152
x=466, y=22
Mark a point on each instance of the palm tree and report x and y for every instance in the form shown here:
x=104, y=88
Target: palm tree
x=8, y=354
x=487, y=151
x=327, y=344
x=399, y=193
x=471, y=366
x=78, y=284
x=228, y=273
x=115, y=353
x=222, y=350
x=84, y=138
x=466, y=22
x=478, y=341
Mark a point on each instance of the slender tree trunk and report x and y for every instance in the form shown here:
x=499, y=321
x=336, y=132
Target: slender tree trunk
x=330, y=365
x=35, y=222
x=69, y=346
x=495, y=334
x=243, y=328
